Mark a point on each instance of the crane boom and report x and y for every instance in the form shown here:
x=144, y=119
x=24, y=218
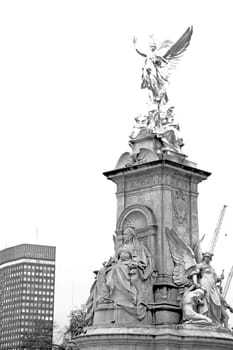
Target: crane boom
x=228, y=282
x=217, y=230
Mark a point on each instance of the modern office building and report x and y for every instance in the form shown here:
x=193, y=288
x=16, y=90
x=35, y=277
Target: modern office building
x=27, y=280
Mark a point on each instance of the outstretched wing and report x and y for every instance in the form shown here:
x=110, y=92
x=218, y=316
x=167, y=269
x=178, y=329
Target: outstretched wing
x=197, y=249
x=183, y=257
x=164, y=46
x=175, y=52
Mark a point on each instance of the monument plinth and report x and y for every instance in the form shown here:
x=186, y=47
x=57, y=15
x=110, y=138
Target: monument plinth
x=150, y=197
x=157, y=291
x=180, y=337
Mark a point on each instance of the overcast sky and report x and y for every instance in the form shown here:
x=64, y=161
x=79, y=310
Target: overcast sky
x=70, y=89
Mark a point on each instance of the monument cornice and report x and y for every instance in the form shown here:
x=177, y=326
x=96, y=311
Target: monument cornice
x=158, y=163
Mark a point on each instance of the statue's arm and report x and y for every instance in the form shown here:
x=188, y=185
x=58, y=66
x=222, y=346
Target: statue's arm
x=229, y=308
x=139, y=52
x=194, y=275
x=217, y=278
x=225, y=304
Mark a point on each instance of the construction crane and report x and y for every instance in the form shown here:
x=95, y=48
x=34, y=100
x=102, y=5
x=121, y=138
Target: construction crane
x=228, y=282
x=217, y=230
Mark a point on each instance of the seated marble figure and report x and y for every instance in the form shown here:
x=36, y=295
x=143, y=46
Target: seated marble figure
x=125, y=279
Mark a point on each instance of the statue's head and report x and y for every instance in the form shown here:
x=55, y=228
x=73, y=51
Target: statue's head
x=129, y=233
x=153, y=46
x=207, y=256
x=152, y=43
x=199, y=292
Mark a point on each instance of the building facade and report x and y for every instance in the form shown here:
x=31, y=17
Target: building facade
x=27, y=285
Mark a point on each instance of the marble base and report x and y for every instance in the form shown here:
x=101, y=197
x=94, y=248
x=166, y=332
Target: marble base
x=108, y=313
x=155, y=315
x=177, y=337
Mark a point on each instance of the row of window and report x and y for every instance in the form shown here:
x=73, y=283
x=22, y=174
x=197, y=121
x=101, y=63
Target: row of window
x=18, y=288
x=40, y=292
x=40, y=267
x=8, y=322
x=15, y=326
x=45, y=303
x=38, y=280
x=24, y=294
x=44, y=279
x=20, y=267
x=16, y=309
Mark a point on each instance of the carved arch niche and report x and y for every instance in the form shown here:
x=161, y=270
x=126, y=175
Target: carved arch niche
x=143, y=219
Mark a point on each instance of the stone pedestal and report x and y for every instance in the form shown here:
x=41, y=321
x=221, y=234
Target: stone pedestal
x=109, y=313
x=180, y=337
x=152, y=196
x=156, y=189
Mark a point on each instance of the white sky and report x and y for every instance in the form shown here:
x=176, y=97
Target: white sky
x=69, y=88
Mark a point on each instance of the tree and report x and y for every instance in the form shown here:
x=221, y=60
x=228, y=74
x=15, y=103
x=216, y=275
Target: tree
x=77, y=321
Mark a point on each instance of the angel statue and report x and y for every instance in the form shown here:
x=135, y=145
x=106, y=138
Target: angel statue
x=193, y=275
x=208, y=279
x=158, y=66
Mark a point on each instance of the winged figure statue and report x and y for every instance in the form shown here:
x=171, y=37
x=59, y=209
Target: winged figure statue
x=183, y=257
x=194, y=276
x=160, y=61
